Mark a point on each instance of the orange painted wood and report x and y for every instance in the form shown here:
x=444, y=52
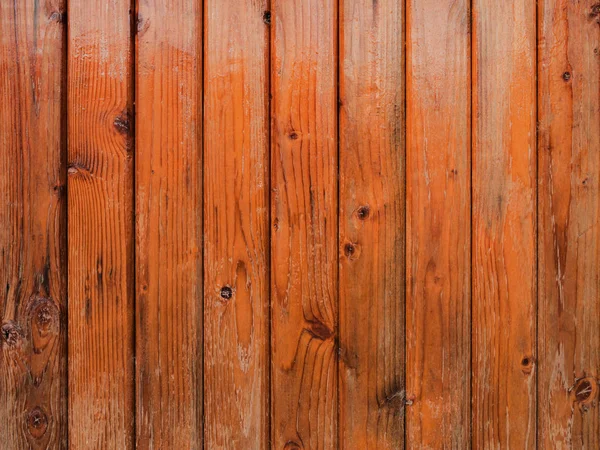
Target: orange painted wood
x=236, y=223
x=101, y=228
x=169, y=224
x=438, y=213
x=569, y=236
x=33, y=269
x=304, y=261
x=372, y=222
x=504, y=224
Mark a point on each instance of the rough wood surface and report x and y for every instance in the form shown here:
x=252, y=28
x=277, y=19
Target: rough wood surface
x=304, y=224
x=438, y=214
x=371, y=155
x=169, y=220
x=100, y=214
x=569, y=233
x=504, y=224
x=236, y=223
x=33, y=296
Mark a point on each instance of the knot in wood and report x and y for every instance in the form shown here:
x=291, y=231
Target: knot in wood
x=363, y=212
x=585, y=392
x=226, y=292
x=11, y=333
x=37, y=422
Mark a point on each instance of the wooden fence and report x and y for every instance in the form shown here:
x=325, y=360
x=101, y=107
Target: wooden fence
x=299, y=224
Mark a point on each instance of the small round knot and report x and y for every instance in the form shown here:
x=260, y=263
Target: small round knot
x=363, y=212
x=11, y=333
x=527, y=364
x=226, y=292
x=37, y=422
x=267, y=17
x=585, y=391
x=293, y=136
x=566, y=76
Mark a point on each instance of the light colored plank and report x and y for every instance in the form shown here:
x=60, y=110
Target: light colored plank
x=33, y=269
x=438, y=212
x=100, y=210
x=304, y=262
x=169, y=220
x=569, y=214
x=372, y=224
x=504, y=224
x=236, y=223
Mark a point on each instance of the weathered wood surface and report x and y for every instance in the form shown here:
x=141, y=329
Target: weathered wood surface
x=504, y=224
x=304, y=261
x=33, y=258
x=101, y=227
x=372, y=205
x=169, y=224
x=236, y=224
x=438, y=211
x=308, y=224
x=569, y=233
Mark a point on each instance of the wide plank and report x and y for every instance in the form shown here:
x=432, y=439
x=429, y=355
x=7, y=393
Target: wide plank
x=168, y=179
x=504, y=224
x=33, y=225
x=304, y=261
x=372, y=224
x=236, y=224
x=438, y=215
x=569, y=232
x=101, y=226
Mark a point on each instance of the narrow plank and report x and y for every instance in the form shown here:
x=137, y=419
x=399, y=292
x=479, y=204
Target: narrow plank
x=33, y=269
x=304, y=261
x=372, y=224
x=569, y=214
x=438, y=213
x=504, y=224
x=100, y=214
x=169, y=220
x=236, y=223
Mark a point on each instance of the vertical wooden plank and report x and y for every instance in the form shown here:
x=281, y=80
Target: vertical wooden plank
x=169, y=214
x=101, y=302
x=33, y=293
x=372, y=224
x=304, y=262
x=569, y=214
x=438, y=138
x=504, y=224
x=236, y=223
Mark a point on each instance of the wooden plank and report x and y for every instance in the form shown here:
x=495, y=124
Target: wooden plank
x=438, y=213
x=504, y=224
x=569, y=214
x=101, y=297
x=372, y=224
x=33, y=269
x=169, y=220
x=236, y=223
x=304, y=261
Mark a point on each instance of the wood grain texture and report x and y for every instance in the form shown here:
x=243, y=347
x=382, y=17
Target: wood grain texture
x=569, y=214
x=304, y=262
x=236, y=221
x=169, y=223
x=372, y=224
x=100, y=214
x=33, y=257
x=438, y=214
x=504, y=224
